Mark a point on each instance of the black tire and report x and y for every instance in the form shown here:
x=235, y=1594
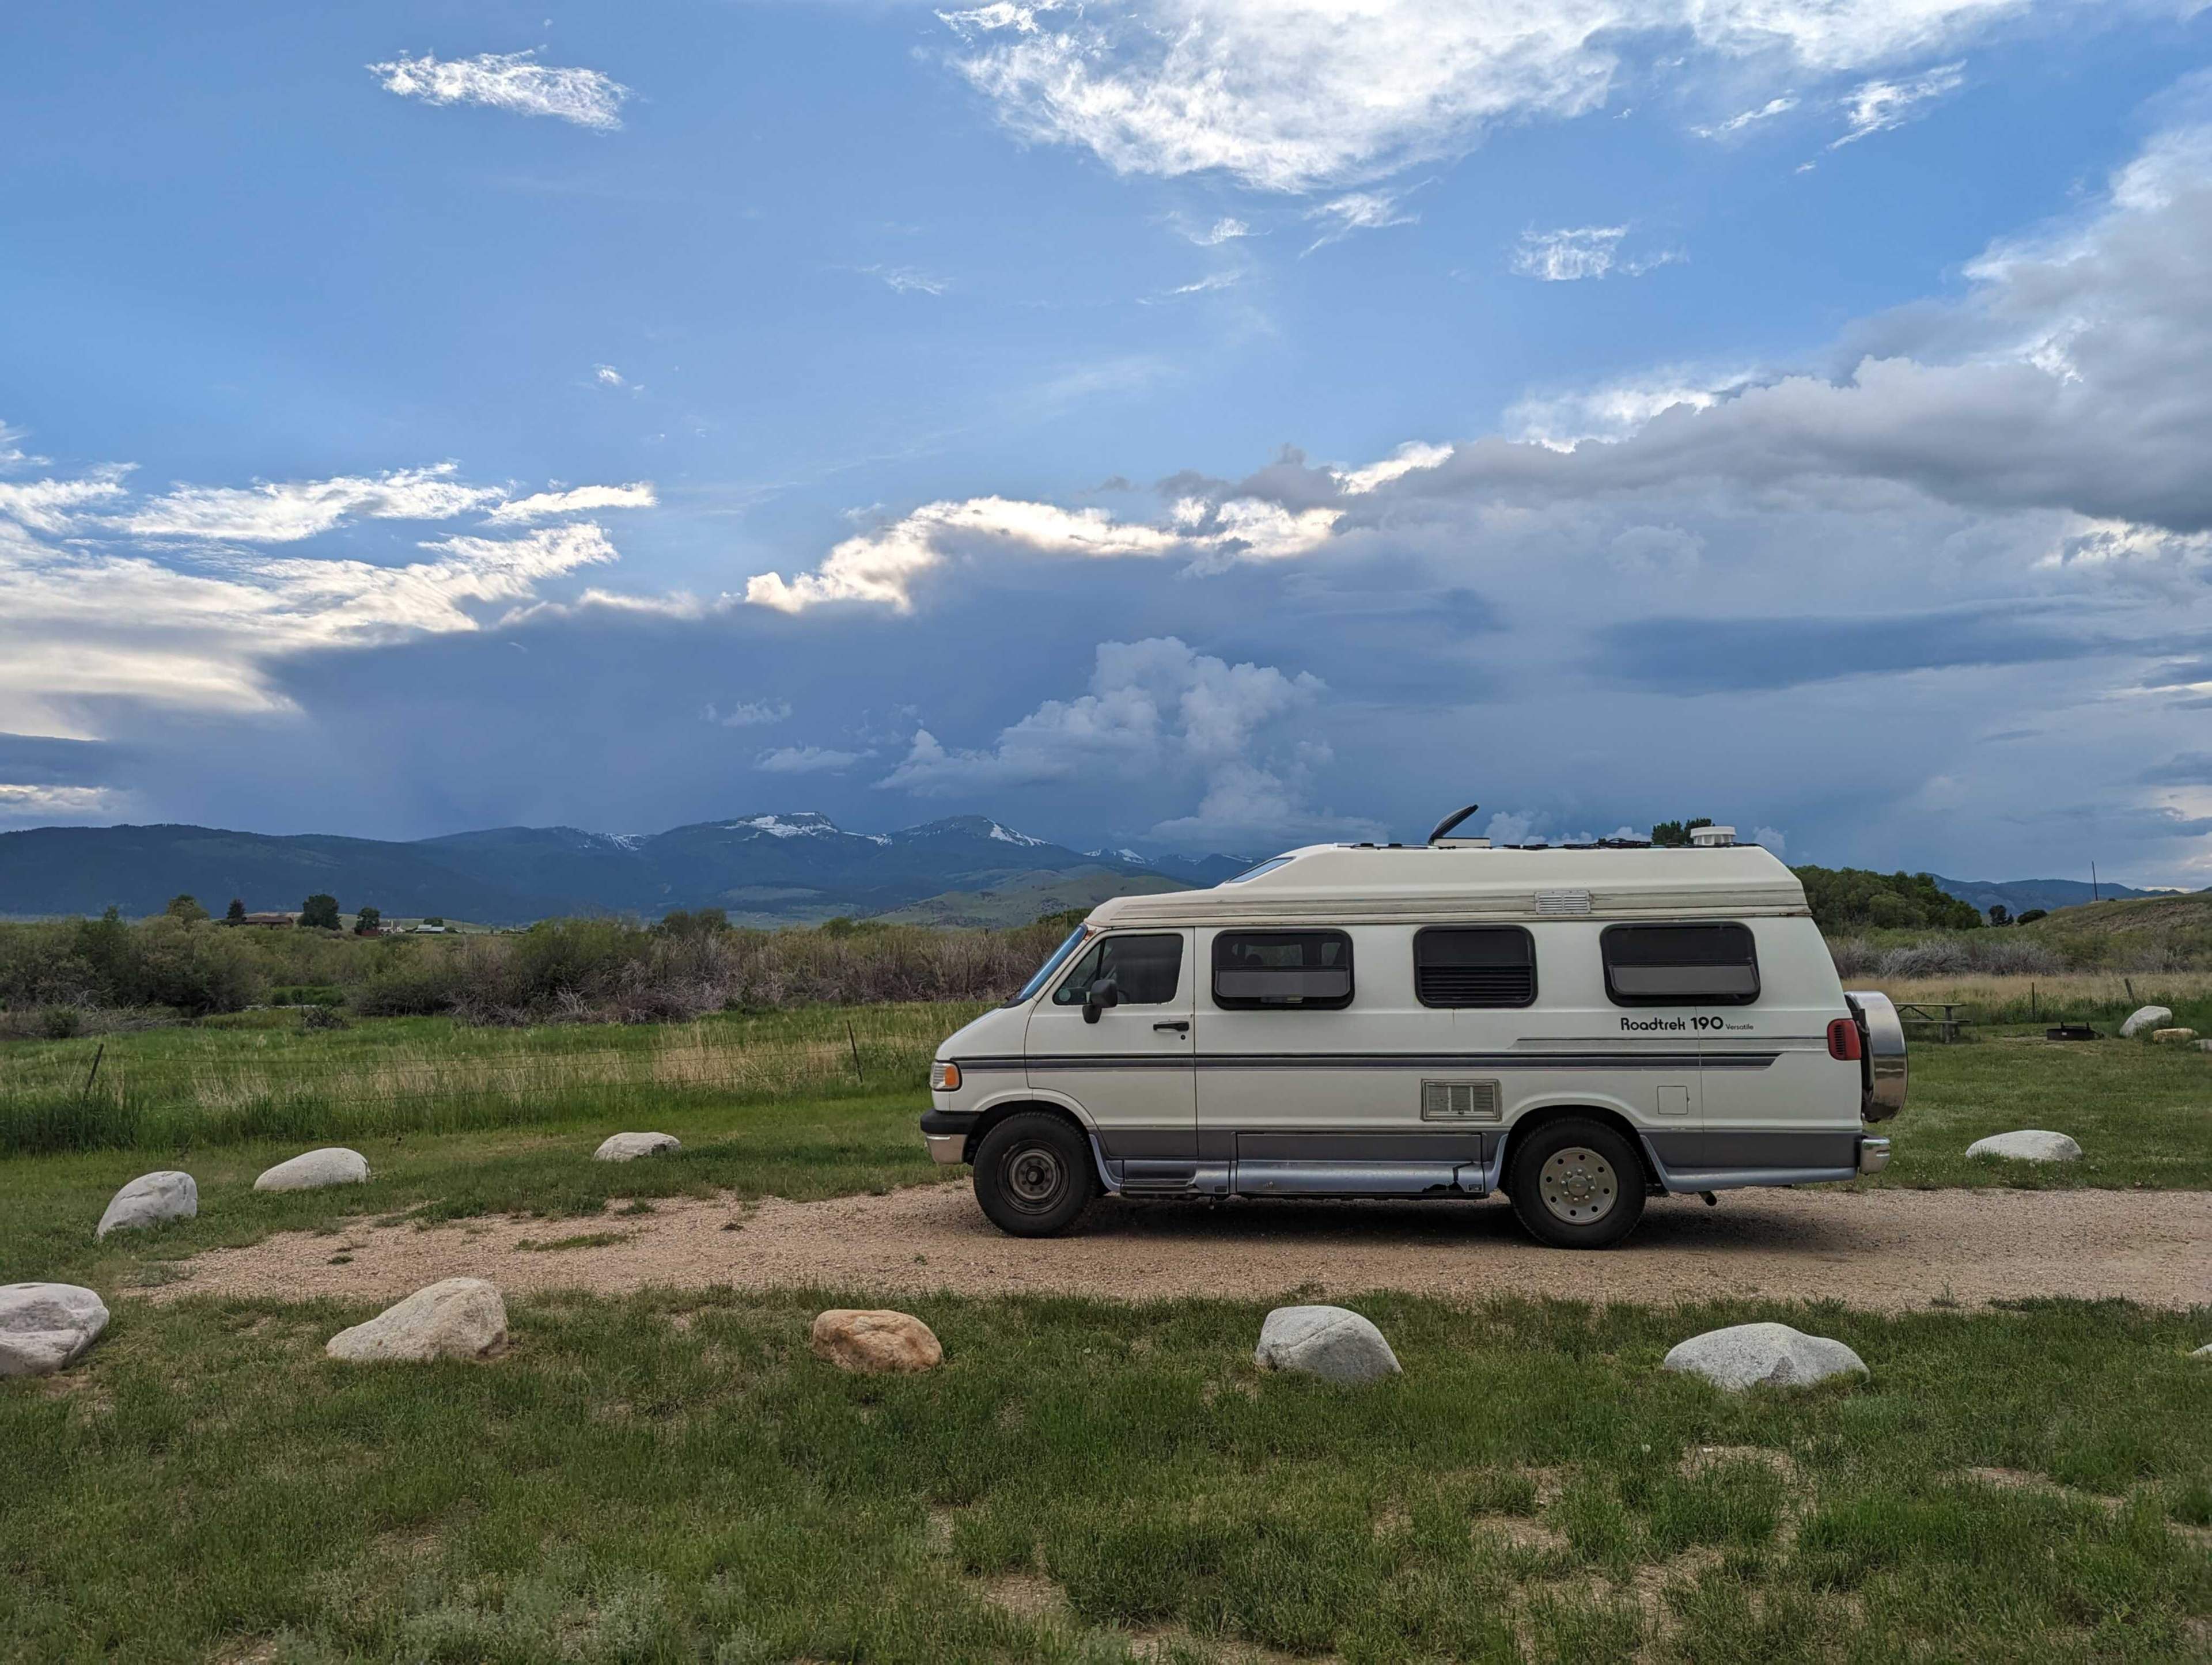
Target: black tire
x=1033, y=1174
x=1575, y=1184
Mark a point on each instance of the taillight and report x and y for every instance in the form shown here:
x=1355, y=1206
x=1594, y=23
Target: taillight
x=1843, y=1040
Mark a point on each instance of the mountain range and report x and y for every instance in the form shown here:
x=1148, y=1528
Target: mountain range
x=762, y=868
x=2019, y=895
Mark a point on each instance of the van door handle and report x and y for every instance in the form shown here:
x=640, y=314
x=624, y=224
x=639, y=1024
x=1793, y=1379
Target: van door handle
x=1180, y=1026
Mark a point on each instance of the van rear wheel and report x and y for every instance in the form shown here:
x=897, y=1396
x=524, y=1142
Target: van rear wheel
x=1576, y=1184
x=1033, y=1174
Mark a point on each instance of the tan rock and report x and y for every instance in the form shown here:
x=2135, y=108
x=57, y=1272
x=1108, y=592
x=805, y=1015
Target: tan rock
x=2173, y=1037
x=458, y=1318
x=873, y=1343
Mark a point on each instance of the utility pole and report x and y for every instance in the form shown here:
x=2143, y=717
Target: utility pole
x=2095, y=894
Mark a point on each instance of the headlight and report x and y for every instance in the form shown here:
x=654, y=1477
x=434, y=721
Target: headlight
x=945, y=1078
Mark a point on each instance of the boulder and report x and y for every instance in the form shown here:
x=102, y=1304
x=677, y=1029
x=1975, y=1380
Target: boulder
x=2204, y=1351
x=873, y=1343
x=2172, y=1038
x=628, y=1147
x=2028, y=1145
x=335, y=1166
x=1328, y=1342
x=459, y=1318
x=2148, y=1016
x=43, y=1327
x=149, y=1199
x=1745, y=1355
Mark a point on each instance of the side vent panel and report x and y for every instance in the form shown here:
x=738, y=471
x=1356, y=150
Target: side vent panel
x=1460, y=1101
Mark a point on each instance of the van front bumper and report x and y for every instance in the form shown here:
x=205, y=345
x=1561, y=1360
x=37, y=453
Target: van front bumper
x=945, y=1133
x=1874, y=1155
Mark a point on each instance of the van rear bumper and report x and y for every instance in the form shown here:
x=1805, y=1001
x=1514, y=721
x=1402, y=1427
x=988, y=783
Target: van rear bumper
x=945, y=1133
x=1874, y=1155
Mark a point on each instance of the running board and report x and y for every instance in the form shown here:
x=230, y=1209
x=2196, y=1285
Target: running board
x=1136, y=1177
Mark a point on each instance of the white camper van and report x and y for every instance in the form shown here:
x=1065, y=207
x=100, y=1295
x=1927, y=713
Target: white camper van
x=1579, y=1028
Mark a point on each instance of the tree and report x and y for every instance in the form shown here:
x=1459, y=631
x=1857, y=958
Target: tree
x=320, y=911
x=236, y=914
x=705, y=922
x=2032, y=915
x=1675, y=835
x=368, y=922
x=1999, y=914
x=184, y=908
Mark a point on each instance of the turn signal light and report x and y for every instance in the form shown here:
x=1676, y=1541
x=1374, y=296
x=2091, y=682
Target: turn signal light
x=1843, y=1040
x=945, y=1078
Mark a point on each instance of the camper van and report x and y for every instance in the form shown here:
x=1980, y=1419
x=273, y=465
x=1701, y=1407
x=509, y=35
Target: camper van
x=1580, y=1027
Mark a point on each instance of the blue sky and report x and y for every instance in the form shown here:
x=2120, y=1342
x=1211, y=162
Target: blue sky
x=1184, y=424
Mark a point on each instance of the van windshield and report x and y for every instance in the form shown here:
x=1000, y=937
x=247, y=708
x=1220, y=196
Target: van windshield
x=1057, y=958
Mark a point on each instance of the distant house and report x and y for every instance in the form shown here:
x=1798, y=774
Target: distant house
x=270, y=919
x=429, y=930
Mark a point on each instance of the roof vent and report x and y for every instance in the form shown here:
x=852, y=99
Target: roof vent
x=1712, y=838
x=1563, y=902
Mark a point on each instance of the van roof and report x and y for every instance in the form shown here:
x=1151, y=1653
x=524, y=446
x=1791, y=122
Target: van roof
x=1363, y=884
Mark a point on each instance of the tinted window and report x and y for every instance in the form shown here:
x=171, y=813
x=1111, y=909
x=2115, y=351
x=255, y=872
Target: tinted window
x=1058, y=959
x=1681, y=965
x=1145, y=968
x=1491, y=965
x=1300, y=968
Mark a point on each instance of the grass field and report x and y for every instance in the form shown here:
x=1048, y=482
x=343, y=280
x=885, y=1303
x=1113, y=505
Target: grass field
x=675, y=1478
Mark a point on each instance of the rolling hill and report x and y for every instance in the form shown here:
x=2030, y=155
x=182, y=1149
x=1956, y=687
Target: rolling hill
x=765, y=868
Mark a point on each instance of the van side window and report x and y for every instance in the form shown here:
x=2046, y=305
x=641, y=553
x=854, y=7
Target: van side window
x=1297, y=969
x=1145, y=968
x=1680, y=964
x=1486, y=965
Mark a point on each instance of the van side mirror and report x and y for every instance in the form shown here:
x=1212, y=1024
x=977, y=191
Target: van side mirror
x=1100, y=995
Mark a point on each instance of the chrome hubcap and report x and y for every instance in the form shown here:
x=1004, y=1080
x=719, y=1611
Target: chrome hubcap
x=1034, y=1175
x=1578, y=1185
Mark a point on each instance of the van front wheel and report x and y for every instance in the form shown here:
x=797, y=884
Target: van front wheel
x=1033, y=1174
x=1576, y=1184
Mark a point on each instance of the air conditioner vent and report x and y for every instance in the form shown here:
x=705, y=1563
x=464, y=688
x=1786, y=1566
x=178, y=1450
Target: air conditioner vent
x=1563, y=902
x=1459, y=1101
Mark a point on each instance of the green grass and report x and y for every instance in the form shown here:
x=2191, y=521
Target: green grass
x=260, y=1076
x=797, y=1148
x=2141, y=1112
x=674, y=1477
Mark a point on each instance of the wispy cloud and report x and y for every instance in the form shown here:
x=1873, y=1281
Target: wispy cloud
x=607, y=376
x=748, y=714
x=12, y=455
x=545, y=504
x=1566, y=255
x=509, y=80
x=286, y=512
x=49, y=505
x=1736, y=123
x=1224, y=230
x=1357, y=210
x=907, y=280
x=807, y=760
x=1879, y=106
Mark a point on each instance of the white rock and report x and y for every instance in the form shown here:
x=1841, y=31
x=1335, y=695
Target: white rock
x=149, y=1199
x=628, y=1147
x=2028, y=1145
x=2148, y=1016
x=459, y=1318
x=1328, y=1342
x=1744, y=1355
x=335, y=1166
x=2204, y=1351
x=43, y=1327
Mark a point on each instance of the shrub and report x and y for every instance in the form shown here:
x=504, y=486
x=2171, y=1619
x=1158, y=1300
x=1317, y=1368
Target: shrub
x=196, y=966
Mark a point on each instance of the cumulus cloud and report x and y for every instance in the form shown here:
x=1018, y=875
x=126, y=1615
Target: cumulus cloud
x=291, y=511
x=1879, y=106
x=807, y=760
x=1154, y=707
x=509, y=80
x=1298, y=96
x=748, y=714
x=580, y=499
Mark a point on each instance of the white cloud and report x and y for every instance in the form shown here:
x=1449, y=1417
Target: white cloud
x=509, y=80
x=19, y=803
x=1357, y=210
x=907, y=281
x=46, y=505
x=1564, y=256
x=1613, y=410
x=607, y=376
x=1225, y=229
x=1298, y=95
x=12, y=455
x=1772, y=838
x=1879, y=106
x=286, y=512
x=1211, y=281
x=805, y=760
x=750, y=713
x=638, y=494
x=1414, y=453
x=1736, y=123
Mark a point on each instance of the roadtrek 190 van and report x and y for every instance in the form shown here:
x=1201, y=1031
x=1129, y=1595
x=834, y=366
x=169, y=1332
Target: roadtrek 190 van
x=1578, y=1027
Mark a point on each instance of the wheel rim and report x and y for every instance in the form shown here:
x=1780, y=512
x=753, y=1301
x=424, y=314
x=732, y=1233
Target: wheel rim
x=1036, y=1177
x=1577, y=1185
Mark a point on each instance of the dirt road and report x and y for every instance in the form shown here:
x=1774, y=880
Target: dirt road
x=1884, y=1249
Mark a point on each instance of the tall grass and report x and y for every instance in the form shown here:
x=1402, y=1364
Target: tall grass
x=213, y=1084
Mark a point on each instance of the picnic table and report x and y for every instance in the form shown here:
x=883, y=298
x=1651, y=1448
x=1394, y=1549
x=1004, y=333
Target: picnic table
x=1944, y=1016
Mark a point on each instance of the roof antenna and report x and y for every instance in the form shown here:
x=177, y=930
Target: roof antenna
x=1451, y=821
